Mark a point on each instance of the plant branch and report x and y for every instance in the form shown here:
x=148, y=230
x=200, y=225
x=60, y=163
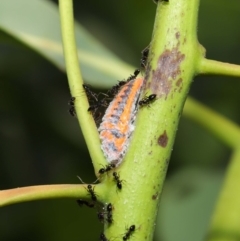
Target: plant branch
x=26, y=194
x=85, y=119
x=173, y=57
x=227, y=131
x=226, y=218
x=208, y=66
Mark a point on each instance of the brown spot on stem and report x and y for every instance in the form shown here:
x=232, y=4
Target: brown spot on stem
x=167, y=71
x=155, y=196
x=177, y=35
x=179, y=82
x=163, y=139
x=179, y=85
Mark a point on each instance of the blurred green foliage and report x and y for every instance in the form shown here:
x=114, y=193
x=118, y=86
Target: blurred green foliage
x=42, y=144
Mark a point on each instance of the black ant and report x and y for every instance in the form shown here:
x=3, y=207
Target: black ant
x=109, y=213
x=106, y=215
x=97, y=104
x=147, y=100
x=71, y=101
x=117, y=180
x=90, y=189
x=83, y=202
x=129, y=232
x=90, y=94
x=114, y=90
x=97, y=110
x=101, y=216
x=134, y=76
x=107, y=168
x=109, y=207
x=109, y=218
x=72, y=108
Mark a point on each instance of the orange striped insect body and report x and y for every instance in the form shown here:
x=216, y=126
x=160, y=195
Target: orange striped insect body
x=118, y=122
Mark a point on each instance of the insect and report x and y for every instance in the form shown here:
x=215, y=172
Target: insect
x=90, y=189
x=109, y=207
x=107, y=168
x=95, y=102
x=118, y=122
x=115, y=89
x=91, y=95
x=83, y=202
x=103, y=237
x=117, y=180
x=106, y=215
x=93, y=98
x=71, y=101
x=109, y=218
x=134, y=76
x=72, y=107
x=129, y=232
x=147, y=100
x=109, y=213
x=101, y=216
x=144, y=58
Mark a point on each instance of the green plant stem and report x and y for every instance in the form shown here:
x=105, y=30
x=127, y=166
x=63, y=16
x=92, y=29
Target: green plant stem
x=85, y=119
x=174, y=55
x=226, y=218
x=208, y=66
x=227, y=131
x=26, y=194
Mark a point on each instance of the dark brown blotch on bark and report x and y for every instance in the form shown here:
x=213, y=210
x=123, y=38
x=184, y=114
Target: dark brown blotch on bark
x=167, y=71
x=155, y=196
x=163, y=139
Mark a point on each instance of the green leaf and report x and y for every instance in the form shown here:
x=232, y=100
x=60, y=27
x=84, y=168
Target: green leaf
x=187, y=204
x=36, y=23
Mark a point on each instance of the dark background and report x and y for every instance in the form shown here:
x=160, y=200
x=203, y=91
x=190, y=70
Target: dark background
x=40, y=143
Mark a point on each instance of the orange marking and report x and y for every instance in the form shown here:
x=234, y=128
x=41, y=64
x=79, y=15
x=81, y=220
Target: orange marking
x=118, y=122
